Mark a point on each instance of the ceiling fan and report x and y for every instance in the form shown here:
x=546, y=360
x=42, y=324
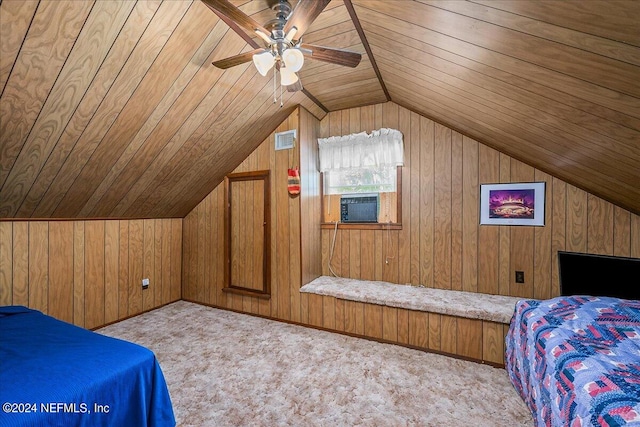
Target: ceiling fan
x=284, y=50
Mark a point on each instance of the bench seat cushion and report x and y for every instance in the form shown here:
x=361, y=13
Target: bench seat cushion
x=495, y=308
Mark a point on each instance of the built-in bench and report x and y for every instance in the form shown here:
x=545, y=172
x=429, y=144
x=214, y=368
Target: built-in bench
x=472, y=305
x=428, y=315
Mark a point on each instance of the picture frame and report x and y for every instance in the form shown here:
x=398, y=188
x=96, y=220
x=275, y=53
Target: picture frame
x=520, y=203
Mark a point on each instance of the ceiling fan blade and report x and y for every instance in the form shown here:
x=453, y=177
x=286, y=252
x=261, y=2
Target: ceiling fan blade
x=232, y=61
x=227, y=9
x=305, y=12
x=334, y=56
x=295, y=87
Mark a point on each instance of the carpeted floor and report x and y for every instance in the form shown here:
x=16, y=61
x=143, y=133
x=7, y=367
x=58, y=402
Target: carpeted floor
x=230, y=369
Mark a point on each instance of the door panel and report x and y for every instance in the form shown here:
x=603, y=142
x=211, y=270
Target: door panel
x=247, y=233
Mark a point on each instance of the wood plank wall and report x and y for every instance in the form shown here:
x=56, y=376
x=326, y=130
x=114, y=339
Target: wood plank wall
x=249, y=246
x=89, y=273
x=310, y=205
x=203, y=256
x=441, y=244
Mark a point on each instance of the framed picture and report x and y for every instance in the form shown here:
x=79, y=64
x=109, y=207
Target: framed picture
x=512, y=204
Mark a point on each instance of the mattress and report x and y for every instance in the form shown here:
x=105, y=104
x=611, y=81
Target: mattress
x=576, y=360
x=56, y=374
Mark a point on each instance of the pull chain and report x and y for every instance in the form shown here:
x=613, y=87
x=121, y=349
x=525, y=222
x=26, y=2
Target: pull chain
x=274, y=85
x=275, y=98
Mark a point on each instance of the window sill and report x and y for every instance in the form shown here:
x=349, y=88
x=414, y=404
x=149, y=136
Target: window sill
x=362, y=226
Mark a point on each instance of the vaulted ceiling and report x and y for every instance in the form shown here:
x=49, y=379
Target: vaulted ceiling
x=113, y=109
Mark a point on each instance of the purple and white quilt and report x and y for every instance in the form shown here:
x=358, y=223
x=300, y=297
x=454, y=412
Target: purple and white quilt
x=576, y=360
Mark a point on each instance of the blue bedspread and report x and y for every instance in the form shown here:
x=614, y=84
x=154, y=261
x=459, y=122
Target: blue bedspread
x=56, y=374
x=576, y=360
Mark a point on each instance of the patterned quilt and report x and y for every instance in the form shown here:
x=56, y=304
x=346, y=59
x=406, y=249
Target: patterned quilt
x=576, y=360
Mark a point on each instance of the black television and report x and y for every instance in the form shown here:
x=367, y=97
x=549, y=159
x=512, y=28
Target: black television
x=599, y=275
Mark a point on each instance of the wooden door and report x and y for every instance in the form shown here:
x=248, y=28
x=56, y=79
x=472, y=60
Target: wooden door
x=247, y=234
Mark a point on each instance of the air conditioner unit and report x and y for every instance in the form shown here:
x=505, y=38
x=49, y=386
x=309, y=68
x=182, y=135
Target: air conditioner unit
x=359, y=208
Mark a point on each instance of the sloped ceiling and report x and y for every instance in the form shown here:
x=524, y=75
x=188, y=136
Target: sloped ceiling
x=113, y=109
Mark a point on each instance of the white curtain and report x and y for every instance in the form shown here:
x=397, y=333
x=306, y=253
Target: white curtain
x=380, y=148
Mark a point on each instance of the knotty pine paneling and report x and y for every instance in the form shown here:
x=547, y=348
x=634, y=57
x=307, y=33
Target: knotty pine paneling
x=81, y=271
x=442, y=177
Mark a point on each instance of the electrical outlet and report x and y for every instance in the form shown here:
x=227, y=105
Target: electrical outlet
x=145, y=283
x=519, y=276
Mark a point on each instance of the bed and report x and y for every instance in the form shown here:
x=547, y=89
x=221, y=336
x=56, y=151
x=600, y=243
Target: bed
x=56, y=374
x=575, y=360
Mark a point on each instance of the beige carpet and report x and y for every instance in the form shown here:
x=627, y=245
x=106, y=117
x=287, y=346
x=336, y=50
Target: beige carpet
x=230, y=369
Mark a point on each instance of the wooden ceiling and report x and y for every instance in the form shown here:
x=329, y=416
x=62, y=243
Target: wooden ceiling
x=113, y=109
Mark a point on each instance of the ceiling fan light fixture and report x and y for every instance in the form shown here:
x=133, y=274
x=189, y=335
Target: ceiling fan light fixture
x=287, y=77
x=293, y=59
x=292, y=33
x=264, y=62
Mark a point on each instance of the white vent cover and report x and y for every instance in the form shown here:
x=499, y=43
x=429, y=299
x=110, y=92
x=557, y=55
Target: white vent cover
x=285, y=140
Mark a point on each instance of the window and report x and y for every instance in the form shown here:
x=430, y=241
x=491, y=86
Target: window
x=362, y=163
x=361, y=180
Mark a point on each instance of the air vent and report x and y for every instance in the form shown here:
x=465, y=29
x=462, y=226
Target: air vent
x=285, y=140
